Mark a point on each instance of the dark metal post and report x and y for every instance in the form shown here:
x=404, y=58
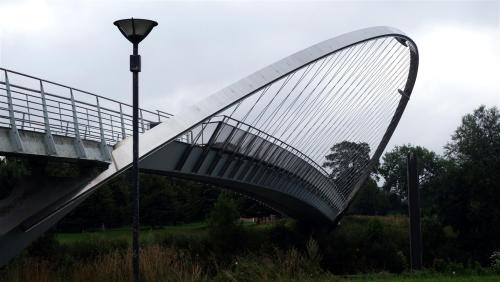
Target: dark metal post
x=135, y=30
x=135, y=68
x=414, y=213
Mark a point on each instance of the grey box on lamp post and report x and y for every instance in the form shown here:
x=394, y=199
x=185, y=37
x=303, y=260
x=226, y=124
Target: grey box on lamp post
x=135, y=30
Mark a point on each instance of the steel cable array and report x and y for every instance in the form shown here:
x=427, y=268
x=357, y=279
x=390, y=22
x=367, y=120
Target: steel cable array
x=345, y=99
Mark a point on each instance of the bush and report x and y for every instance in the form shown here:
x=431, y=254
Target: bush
x=366, y=244
x=224, y=230
x=44, y=247
x=11, y=170
x=283, y=236
x=281, y=265
x=495, y=262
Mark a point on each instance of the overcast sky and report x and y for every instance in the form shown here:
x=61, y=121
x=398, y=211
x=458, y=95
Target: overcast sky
x=201, y=47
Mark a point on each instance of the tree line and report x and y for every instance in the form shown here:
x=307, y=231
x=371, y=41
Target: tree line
x=459, y=190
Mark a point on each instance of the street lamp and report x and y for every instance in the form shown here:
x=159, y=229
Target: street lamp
x=135, y=30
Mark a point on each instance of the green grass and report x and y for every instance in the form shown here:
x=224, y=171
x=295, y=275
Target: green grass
x=409, y=278
x=197, y=229
x=125, y=233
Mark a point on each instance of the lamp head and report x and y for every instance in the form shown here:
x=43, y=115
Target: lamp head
x=135, y=30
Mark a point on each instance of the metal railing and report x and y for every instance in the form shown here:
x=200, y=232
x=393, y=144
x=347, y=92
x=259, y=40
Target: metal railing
x=232, y=136
x=202, y=134
x=40, y=105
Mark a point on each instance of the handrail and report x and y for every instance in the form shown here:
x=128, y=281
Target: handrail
x=69, y=87
x=289, y=147
x=270, y=159
x=41, y=109
x=293, y=149
x=165, y=114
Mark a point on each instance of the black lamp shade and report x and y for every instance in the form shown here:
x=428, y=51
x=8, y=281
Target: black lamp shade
x=135, y=30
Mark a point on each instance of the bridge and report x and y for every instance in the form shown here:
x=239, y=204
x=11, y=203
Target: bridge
x=301, y=135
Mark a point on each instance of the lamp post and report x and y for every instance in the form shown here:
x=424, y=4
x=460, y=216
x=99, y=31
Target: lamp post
x=135, y=30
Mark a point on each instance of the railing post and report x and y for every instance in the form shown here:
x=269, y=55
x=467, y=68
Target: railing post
x=80, y=149
x=142, y=120
x=60, y=116
x=103, y=145
x=22, y=121
x=14, y=133
x=49, y=140
x=112, y=128
x=28, y=109
x=124, y=135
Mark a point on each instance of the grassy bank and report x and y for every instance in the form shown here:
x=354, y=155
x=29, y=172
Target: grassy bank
x=196, y=229
x=160, y=263
x=269, y=252
x=124, y=233
x=426, y=277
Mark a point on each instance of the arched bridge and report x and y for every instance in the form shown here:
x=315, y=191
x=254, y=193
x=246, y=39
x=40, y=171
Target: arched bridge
x=301, y=135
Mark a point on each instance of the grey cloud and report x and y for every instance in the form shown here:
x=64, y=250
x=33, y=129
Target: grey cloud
x=199, y=48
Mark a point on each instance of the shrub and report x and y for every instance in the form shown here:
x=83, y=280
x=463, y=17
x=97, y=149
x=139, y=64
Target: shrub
x=281, y=265
x=45, y=247
x=366, y=244
x=495, y=262
x=224, y=230
x=11, y=170
x=283, y=236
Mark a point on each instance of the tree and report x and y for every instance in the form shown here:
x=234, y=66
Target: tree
x=95, y=212
x=470, y=190
x=370, y=200
x=11, y=170
x=159, y=203
x=477, y=139
x=223, y=228
x=197, y=199
x=347, y=161
x=394, y=168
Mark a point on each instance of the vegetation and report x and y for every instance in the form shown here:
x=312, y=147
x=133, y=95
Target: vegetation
x=187, y=253
x=223, y=222
x=123, y=233
x=10, y=171
x=192, y=231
